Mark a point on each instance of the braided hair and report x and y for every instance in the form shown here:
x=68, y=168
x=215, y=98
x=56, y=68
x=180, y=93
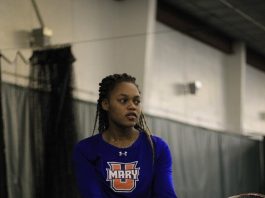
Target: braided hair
x=105, y=87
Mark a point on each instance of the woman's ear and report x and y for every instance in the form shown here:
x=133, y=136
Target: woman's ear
x=105, y=104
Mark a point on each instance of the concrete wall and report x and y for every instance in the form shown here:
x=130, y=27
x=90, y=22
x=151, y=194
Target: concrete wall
x=254, y=118
x=177, y=60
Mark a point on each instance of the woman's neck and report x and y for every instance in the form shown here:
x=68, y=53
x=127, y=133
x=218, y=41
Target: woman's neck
x=120, y=137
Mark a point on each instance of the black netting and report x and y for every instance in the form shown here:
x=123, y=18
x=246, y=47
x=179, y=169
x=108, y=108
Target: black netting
x=53, y=132
x=3, y=178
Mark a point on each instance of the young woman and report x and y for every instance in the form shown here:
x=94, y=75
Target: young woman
x=123, y=159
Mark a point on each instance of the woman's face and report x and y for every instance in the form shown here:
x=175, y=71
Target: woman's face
x=123, y=105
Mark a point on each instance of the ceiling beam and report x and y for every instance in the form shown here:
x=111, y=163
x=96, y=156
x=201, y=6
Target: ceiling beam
x=255, y=59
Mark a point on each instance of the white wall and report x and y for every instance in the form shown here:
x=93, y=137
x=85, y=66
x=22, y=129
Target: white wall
x=176, y=60
x=235, y=77
x=254, y=119
x=232, y=97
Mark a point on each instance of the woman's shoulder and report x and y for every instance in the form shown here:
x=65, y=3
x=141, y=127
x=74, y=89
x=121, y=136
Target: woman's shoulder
x=160, y=144
x=89, y=139
x=158, y=141
x=88, y=143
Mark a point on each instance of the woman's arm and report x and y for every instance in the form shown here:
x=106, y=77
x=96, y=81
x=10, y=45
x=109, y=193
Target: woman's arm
x=86, y=177
x=163, y=182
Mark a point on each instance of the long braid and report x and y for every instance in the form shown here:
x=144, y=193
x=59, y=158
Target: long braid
x=144, y=127
x=96, y=119
x=105, y=87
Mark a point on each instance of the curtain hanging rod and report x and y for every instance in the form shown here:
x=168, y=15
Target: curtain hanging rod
x=89, y=41
x=47, y=47
x=22, y=57
x=33, y=79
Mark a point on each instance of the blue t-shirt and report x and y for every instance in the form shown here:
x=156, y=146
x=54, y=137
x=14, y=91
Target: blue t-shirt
x=105, y=171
